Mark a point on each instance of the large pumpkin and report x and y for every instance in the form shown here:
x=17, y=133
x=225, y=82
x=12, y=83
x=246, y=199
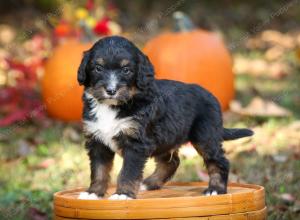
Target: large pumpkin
x=195, y=56
x=60, y=90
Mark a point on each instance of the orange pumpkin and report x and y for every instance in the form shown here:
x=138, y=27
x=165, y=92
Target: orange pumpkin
x=60, y=90
x=196, y=56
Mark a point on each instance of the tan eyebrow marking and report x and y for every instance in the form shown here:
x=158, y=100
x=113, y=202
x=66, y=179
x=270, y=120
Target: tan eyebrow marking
x=100, y=61
x=124, y=62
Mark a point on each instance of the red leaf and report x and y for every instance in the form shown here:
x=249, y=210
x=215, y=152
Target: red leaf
x=18, y=115
x=8, y=95
x=21, y=103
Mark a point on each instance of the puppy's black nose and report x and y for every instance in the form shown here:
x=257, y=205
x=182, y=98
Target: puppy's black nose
x=111, y=91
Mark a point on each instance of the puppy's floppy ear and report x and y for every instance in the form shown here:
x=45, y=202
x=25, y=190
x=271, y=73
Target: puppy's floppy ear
x=82, y=76
x=145, y=72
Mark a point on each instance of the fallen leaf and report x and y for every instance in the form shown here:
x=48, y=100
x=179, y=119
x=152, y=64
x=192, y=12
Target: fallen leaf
x=46, y=163
x=277, y=38
x=280, y=158
x=250, y=66
x=258, y=67
x=274, y=53
x=259, y=107
x=278, y=70
x=270, y=38
x=287, y=198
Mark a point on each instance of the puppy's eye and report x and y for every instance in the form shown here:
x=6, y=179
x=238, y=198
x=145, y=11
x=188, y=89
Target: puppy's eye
x=126, y=70
x=99, y=68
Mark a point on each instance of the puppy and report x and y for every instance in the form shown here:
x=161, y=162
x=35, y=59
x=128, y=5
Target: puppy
x=129, y=112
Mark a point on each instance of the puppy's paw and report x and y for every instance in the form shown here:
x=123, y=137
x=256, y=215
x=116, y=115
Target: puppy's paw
x=119, y=197
x=88, y=196
x=213, y=191
x=210, y=193
x=150, y=184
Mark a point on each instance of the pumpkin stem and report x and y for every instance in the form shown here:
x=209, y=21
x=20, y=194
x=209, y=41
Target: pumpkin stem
x=182, y=22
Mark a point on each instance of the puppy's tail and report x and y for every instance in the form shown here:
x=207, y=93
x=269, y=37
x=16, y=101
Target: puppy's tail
x=235, y=133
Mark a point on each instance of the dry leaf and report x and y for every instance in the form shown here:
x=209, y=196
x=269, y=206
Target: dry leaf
x=287, y=198
x=277, y=38
x=46, y=163
x=257, y=67
x=274, y=53
x=260, y=107
x=270, y=38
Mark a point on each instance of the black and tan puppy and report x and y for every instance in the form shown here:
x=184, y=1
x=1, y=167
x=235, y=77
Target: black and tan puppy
x=128, y=111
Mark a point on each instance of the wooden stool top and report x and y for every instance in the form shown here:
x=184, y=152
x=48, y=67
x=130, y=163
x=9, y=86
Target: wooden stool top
x=175, y=200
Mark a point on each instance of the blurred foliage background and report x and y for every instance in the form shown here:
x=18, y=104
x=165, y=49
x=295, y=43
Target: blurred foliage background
x=40, y=155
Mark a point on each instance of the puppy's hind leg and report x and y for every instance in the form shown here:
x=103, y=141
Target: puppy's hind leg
x=209, y=146
x=166, y=166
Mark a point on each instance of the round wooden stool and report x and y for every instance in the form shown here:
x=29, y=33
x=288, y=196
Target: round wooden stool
x=174, y=201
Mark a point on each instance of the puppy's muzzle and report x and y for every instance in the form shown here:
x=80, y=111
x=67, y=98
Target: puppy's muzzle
x=111, y=86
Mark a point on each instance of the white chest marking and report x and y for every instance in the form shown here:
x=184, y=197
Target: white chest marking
x=105, y=125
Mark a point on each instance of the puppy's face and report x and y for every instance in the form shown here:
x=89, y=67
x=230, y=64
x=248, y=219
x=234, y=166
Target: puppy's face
x=112, y=75
x=112, y=70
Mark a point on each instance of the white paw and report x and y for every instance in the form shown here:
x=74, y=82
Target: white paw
x=88, y=196
x=143, y=187
x=119, y=197
x=213, y=193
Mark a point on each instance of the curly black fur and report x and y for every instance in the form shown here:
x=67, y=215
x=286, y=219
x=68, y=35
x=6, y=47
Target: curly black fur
x=127, y=110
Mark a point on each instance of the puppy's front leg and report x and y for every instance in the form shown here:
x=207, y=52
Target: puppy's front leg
x=130, y=176
x=101, y=161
